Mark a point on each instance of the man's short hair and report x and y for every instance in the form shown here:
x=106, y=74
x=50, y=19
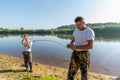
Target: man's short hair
x=79, y=18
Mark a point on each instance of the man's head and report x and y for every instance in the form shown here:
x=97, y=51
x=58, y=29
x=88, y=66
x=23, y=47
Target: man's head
x=79, y=22
x=26, y=36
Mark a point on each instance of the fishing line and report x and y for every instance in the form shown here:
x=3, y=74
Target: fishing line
x=52, y=41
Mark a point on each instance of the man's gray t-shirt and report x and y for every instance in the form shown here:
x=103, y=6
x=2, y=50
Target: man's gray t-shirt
x=82, y=36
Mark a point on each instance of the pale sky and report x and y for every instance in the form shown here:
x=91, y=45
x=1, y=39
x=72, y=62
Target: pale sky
x=47, y=14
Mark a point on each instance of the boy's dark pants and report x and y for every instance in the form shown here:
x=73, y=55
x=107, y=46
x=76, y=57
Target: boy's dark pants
x=27, y=59
x=79, y=59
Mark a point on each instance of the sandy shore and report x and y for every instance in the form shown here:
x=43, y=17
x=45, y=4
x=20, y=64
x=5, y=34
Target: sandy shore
x=11, y=69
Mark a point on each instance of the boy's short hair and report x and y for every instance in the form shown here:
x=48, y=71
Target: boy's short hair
x=25, y=35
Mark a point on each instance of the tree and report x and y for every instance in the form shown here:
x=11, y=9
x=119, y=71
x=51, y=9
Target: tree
x=21, y=28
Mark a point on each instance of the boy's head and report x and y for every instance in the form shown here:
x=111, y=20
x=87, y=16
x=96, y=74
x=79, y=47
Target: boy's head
x=26, y=36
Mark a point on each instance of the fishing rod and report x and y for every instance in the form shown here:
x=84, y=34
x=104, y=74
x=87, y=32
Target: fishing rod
x=34, y=41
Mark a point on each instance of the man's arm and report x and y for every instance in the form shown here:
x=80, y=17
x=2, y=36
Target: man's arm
x=88, y=46
x=72, y=40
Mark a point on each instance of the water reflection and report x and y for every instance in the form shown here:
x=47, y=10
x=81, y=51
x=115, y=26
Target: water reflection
x=51, y=50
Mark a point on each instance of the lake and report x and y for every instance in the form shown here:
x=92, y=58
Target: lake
x=51, y=50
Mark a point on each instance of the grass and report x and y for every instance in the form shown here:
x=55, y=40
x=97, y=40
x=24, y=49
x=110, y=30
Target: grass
x=30, y=77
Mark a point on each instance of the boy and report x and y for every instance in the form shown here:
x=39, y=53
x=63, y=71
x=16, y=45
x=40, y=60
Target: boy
x=27, y=53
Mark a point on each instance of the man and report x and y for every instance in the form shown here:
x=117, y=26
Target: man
x=27, y=54
x=81, y=42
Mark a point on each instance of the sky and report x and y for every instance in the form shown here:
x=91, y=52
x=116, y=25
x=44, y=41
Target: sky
x=47, y=14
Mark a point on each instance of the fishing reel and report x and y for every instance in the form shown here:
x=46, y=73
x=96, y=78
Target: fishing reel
x=26, y=43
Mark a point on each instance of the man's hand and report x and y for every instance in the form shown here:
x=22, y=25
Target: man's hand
x=71, y=46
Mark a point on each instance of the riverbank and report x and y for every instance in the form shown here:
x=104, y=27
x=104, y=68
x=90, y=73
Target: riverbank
x=11, y=69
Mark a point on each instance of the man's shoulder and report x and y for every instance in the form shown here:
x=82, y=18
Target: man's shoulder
x=90, y=29
x=75, y=29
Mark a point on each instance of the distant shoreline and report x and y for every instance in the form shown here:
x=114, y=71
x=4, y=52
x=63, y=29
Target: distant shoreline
x=107, y=30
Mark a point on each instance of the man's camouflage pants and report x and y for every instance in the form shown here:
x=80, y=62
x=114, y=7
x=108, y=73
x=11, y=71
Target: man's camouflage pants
x=79, y=59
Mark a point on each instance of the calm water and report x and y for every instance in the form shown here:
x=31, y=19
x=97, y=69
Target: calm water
x=52, y=50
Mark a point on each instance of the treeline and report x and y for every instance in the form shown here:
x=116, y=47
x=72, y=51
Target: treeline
x=34, y=31
x=23, y=31
x=101, y=29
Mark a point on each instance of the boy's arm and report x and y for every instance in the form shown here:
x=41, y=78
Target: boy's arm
x=23, y=41
x=29, y=44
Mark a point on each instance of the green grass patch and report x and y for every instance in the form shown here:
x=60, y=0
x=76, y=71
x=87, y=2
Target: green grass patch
x=30, y=77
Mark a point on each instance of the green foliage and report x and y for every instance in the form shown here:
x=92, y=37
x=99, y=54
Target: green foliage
x=21, y=28
x=101, y=29
x=49, y=78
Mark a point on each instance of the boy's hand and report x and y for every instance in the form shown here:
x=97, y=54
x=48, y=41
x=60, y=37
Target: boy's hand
x=23, y=41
